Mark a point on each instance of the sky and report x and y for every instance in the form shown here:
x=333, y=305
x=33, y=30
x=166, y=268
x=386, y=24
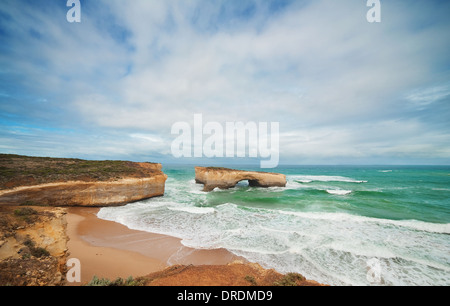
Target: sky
x=343, y=90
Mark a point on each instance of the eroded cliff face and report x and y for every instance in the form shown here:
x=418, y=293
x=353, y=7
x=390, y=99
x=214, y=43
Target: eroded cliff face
x=93, y=194
x=33, y=246
x=224, y=178
x=78, y=183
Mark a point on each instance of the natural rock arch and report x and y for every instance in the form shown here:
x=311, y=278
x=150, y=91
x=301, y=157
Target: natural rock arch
x=223, y=178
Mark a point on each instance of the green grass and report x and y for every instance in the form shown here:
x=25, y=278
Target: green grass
x=118, y=282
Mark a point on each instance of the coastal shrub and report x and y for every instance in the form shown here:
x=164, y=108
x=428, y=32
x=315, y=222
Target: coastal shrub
x=29, y=243
x=118, y=282
x=17, y=170
x=25, y=211
x=251, y=280
x=26, y=214
x=101, y=282
x=3, y=222
x=7, y=172
x=37, y=252
x=289, y=279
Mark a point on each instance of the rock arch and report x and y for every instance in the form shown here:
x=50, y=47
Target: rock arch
x=224, y=178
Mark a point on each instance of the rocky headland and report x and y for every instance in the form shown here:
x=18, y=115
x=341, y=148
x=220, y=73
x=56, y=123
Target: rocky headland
x=73, y=182
x=224, y=178
x=34, y=192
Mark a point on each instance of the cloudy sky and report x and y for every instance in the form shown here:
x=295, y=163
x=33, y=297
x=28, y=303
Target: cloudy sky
x=345, y=91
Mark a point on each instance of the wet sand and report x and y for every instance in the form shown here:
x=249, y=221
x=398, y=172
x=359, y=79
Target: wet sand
x=110, y=250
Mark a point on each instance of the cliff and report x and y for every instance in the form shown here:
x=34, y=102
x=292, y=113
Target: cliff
x=72, y=182
x=33, y=246
x=234, y=274
x=223, y=178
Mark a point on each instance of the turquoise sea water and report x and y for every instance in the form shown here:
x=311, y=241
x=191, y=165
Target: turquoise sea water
x=337, y=225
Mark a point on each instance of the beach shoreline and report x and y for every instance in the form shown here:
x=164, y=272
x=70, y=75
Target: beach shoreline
x=110, y=250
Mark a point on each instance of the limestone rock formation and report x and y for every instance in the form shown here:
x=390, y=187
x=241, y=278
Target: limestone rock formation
x=65, y=182
x=33, y=250
x=93, y=194
x=223, y=178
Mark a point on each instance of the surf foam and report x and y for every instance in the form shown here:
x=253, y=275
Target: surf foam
x=323, y=178
x=339, y=192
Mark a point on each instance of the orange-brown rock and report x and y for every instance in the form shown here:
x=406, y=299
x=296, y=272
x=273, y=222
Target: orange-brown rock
x=68, y=182
x=33, y=246
x=78, y=193
x=223, y=178
x=233, y=274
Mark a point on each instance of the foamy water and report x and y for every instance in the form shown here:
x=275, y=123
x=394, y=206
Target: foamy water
x=330, y=237
x=339, y=192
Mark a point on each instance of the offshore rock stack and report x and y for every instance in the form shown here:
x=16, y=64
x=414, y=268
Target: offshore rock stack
x=223, y=178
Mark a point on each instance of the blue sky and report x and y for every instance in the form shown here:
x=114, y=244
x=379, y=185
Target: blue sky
x=345, y=91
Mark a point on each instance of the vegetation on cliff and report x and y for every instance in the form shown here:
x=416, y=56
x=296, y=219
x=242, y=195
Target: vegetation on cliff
x=17, y=170
x=233, y=274
x=32, y=246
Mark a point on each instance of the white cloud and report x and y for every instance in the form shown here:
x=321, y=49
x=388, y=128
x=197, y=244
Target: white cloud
x=384, y=139
x=343, y=69
x=338, y=85
x=424, y=97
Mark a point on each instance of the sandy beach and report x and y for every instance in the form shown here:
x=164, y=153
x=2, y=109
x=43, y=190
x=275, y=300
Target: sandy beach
x=109, y=250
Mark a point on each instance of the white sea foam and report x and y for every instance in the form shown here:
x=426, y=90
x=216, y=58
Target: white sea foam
x=344, y=217
x=196, y=188
x=323, y=178
x=440, y=189
x=339, y=192
x=193, y=209
x=328, y=247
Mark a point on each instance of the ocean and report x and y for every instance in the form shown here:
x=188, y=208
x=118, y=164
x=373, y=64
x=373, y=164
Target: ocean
x=338, y=225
